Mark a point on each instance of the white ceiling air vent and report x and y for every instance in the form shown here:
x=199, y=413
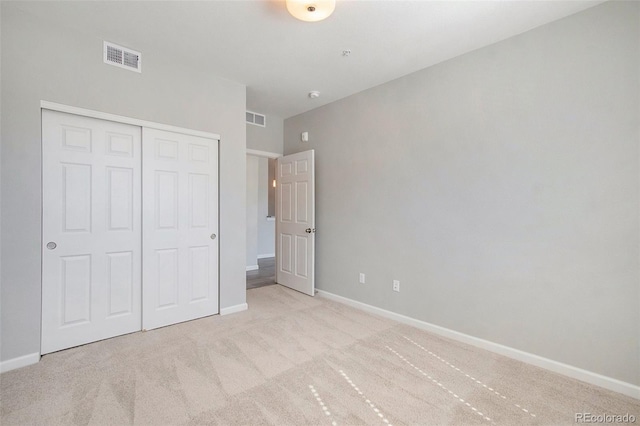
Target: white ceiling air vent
x=122, y=57
x=257, y=119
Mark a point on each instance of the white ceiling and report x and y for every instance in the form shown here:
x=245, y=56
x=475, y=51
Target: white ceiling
x=281, y=59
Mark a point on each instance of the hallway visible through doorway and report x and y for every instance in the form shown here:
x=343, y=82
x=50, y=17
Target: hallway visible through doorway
x=263, y=276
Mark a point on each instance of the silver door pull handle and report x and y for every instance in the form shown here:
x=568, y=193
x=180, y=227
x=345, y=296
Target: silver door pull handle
x=51, y=245
x=213, y=236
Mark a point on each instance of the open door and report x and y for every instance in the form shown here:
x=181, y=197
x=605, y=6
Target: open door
x=295, y=222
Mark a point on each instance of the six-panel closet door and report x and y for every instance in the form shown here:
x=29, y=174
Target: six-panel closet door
x=180, y=227
x=91, y=227
x=130, y=224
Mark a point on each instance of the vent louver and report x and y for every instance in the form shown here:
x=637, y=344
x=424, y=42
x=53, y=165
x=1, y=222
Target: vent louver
x=122, y=57
x=256, y=119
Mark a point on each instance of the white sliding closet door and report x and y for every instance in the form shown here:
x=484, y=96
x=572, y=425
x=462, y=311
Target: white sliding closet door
x=91, y=254
x=180, y=217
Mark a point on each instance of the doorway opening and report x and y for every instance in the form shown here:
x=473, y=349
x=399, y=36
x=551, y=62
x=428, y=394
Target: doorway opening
x=263, y=276
x=261, y=238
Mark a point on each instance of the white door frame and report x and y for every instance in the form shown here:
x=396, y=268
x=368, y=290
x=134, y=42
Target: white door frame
x=265, y=154
x=125, y=120
x=83, y=112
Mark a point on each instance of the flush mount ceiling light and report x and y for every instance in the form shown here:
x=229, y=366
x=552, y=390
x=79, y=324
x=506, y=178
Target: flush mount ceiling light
x=314, y=94
x=311, y=10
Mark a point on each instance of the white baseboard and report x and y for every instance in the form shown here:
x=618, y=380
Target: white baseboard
x=252, y=268
x=21, y=361
x=233, y=309
x=529, y=358
x=265, y=256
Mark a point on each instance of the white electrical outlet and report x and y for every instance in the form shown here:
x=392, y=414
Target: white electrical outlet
x=396, y=285
x=361, y=278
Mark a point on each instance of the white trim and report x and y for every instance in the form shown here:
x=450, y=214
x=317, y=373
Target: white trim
x=263, y=153
x=233, y=309
x=266, y=256
x=126, y=120
x=271, y=218
x=529, y=358
x=252, y=268
x=21, y=361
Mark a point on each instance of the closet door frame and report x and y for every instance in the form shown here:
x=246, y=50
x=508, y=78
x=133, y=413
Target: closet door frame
x=82, y=112
x=125, y=120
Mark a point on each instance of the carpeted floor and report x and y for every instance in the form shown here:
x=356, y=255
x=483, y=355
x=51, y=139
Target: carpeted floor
x=293, y=360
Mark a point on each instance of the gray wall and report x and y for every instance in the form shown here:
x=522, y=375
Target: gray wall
x=252, y=210
x=500, y=188
x=267, y=138
x=43, y=62
x=266, y=228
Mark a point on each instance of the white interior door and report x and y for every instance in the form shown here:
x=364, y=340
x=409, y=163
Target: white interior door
x=295, y=222
x=91, y=257
x=180, y=227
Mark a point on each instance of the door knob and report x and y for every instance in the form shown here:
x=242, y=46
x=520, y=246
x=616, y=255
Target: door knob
x=51, y=245
x=308, y=230
x=213, y=236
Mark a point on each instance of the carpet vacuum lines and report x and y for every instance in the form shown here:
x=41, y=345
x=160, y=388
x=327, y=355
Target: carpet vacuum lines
x=364, y=397
x=469, y=376
x=325, y=409
x=443, y=387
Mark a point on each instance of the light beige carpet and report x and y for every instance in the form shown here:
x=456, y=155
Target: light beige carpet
x=293, y=360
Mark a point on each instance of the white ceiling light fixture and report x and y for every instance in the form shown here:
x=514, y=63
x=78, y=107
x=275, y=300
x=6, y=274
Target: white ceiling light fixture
x=314, y=94
x=311, y=10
